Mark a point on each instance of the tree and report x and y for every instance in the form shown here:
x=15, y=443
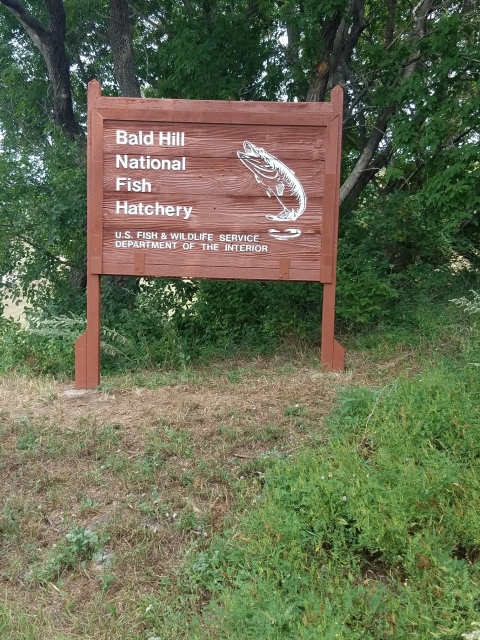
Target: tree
x=410, y=76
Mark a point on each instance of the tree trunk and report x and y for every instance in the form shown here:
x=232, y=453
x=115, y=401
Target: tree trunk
x=321, y=73
x=51, y=43
x=120, y=36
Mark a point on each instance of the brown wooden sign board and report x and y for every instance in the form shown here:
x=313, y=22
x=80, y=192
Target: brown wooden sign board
x=211, y=189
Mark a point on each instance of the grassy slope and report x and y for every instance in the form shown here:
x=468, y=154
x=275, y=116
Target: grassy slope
x=376, y=534
x=366, y=526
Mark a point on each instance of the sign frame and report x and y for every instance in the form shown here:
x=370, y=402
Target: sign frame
x=102, y=109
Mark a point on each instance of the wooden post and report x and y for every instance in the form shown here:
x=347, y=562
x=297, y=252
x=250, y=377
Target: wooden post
x=332, y=353
x=87, y=346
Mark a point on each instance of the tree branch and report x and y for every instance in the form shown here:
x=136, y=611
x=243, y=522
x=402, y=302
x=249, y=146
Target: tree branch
x=51, y=44
x=57, y=26
x=367, y=154
x=362, y=168
x=32, y=26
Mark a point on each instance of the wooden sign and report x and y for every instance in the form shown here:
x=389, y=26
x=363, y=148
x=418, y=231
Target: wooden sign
x=211, y=189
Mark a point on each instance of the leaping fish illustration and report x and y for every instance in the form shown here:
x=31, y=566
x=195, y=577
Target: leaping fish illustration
x=268, y=170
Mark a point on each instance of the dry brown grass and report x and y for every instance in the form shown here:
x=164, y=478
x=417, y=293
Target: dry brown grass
x=122, y=462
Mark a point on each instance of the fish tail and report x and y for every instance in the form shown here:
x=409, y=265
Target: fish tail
x=286, y=214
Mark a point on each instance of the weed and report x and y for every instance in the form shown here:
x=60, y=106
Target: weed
x=171, y=442
x=297, y=556
x=235, y=375
x=78, y=545
x=10, y=522
x=227, y=432
x=27, y=441
x=187, y=479
x=297, y=409
x=107, y=581
x=88, y=504
x=269, y=433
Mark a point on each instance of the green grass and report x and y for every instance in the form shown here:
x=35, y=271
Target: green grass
x=216, y=502
x=375, y=535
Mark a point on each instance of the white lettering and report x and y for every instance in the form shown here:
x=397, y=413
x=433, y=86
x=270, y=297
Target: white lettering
x=138, y=186
x=146, y=162
x=256, y=248
x=163, y=137
x=147, y=235
x=157, y=209
x=238, y=238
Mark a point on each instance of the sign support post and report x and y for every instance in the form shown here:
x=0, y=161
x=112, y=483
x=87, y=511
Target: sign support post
x=87, y=346
x=211, y=189
x=332, y=355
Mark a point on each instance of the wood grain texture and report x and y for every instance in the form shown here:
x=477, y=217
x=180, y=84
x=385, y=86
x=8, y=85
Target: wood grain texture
x=169, y=106
x=310, y=273
x=332, y=355
x=217, y=176
x=216, y=111
x=223, y=210
x=305, y=250
x=87, y=354
x=222, y=196
x=95, y=182
x=220, y=117
x=219, y=141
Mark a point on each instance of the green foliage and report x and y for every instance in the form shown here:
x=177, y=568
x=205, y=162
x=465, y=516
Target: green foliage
x=375, y=535
x=42, y=234
x=210, y=55
x=365, y=286
x=471, y=305
x=416, y=219
x=171, y=327
x=47, y=346
x=257, y=313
